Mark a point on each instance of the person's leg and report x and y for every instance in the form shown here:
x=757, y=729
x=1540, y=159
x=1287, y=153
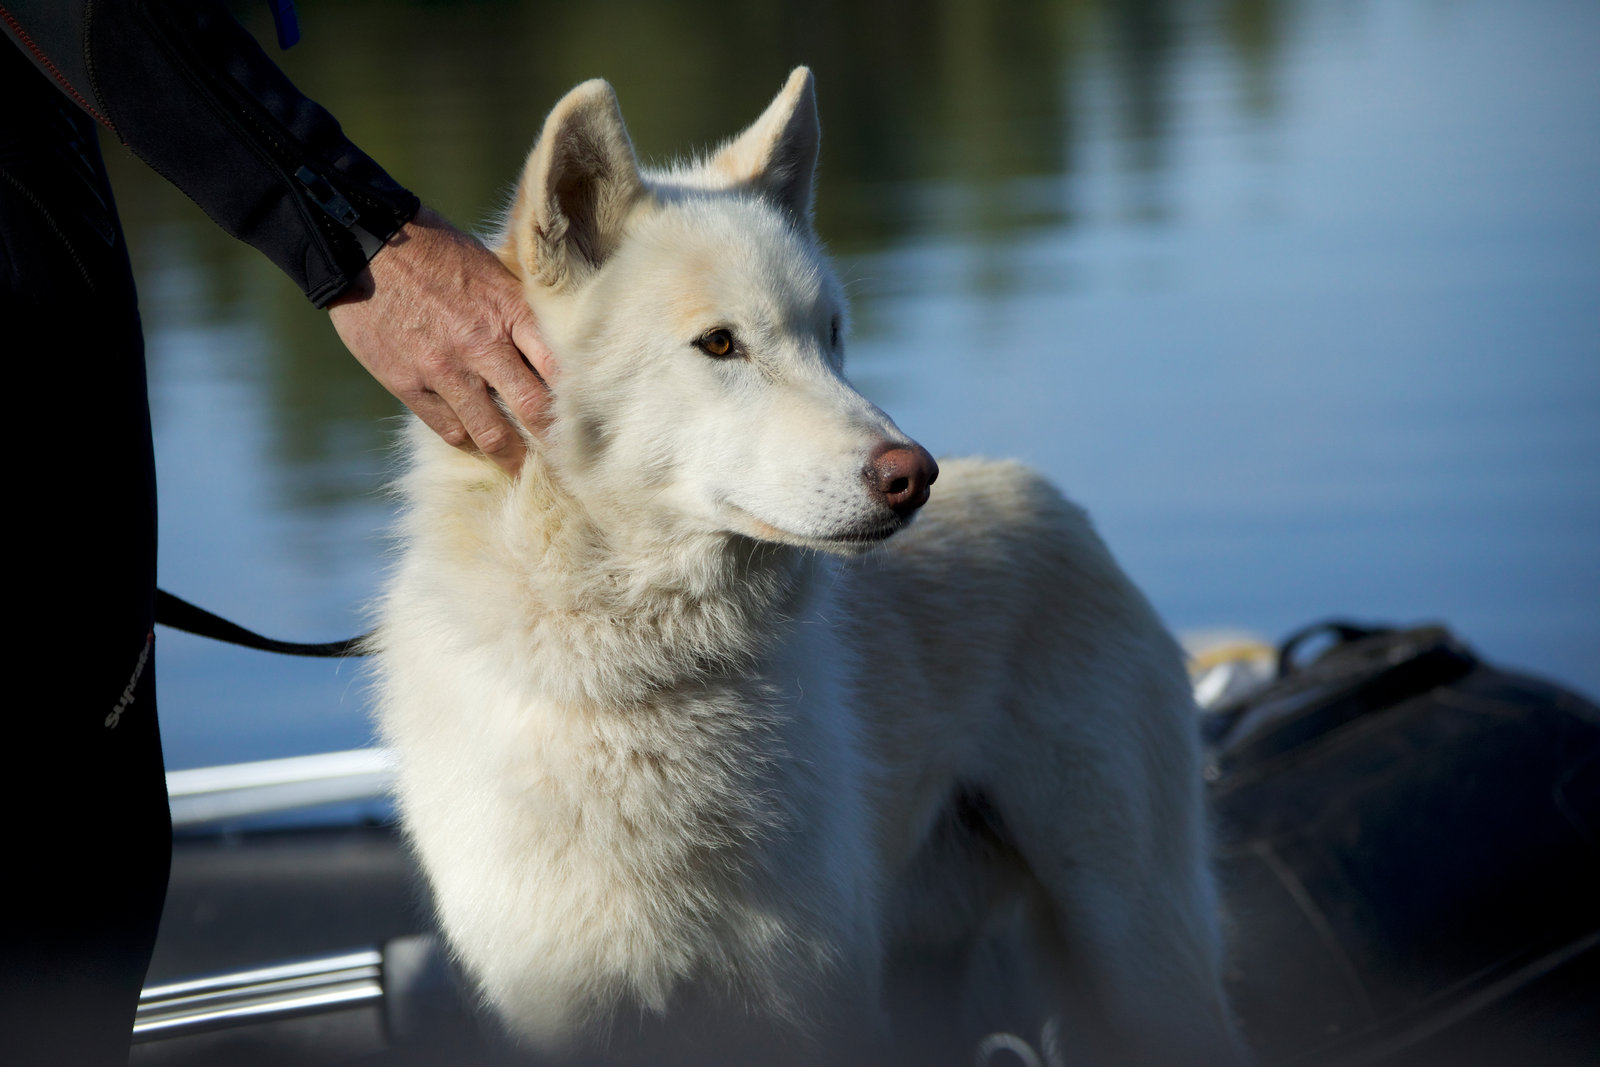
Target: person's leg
x=85, y=831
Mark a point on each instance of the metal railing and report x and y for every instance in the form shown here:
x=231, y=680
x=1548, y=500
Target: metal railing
x=238, y=790
x=267, y=994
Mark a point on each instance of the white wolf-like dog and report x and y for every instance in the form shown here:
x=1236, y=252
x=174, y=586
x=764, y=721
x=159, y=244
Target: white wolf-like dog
x=710, y=754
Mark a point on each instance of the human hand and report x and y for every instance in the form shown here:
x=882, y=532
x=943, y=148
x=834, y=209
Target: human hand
x=441, y=323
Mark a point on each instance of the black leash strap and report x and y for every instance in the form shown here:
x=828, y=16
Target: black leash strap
x=181, y=615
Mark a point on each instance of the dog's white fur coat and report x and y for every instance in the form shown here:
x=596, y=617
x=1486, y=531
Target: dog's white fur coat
x=688, y=766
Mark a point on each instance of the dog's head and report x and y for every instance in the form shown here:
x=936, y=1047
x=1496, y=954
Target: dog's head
x=698, y=330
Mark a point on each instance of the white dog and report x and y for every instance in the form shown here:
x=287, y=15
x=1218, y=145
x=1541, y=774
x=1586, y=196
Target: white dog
x=710, y=755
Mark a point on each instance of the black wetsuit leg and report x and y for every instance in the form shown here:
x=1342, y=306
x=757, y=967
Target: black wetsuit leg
x=86, y=833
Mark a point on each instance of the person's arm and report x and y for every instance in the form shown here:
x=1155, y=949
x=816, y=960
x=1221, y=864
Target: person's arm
x=193, y=95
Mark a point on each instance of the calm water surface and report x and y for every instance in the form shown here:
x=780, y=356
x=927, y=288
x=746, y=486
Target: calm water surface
x=1301, y=299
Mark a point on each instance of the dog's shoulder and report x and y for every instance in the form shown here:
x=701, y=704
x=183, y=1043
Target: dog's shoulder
x=986, y=514
x=1000, y=558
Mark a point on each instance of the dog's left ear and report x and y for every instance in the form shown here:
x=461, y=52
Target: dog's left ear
x=777, y=155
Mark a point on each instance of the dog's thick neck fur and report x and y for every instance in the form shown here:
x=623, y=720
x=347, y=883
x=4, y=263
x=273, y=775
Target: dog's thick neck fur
x=656, y=611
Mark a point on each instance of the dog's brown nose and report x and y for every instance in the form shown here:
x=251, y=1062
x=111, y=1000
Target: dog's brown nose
x=902, y=475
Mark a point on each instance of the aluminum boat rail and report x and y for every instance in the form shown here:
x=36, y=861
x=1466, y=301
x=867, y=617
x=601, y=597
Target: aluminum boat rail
x=267, y=994
x=268, y=787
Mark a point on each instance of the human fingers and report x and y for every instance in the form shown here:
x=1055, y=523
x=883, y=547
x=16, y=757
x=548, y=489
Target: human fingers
x=523, y=379
x=437, y=415
x=476, y=423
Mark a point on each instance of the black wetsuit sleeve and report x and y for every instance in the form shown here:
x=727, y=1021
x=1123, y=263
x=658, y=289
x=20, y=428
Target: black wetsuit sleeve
x=192, y=94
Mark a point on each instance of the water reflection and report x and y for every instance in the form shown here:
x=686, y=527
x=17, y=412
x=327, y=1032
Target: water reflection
x=1297, y=296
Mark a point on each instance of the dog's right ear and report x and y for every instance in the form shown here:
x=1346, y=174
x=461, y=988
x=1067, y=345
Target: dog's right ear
x=777, y=155
x=577, y=188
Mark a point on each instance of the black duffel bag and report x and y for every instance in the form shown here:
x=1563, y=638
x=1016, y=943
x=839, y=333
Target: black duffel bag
x=1409, y=848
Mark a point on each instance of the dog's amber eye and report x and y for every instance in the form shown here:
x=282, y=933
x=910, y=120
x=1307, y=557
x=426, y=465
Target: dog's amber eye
x=717, y=342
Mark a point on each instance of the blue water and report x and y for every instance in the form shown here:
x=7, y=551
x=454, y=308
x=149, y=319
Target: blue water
x=1305, y=309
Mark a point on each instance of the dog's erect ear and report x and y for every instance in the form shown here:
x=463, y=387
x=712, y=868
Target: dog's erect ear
x=580, y=182
x=777, y=155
